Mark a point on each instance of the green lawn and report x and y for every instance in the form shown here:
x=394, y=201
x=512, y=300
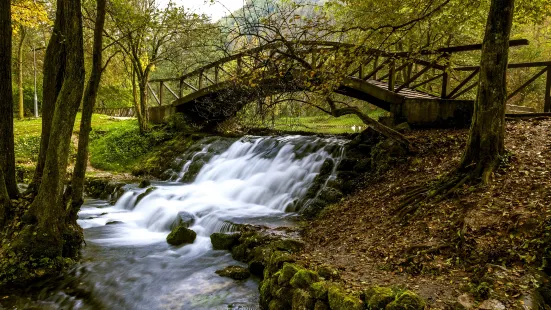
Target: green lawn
x=324, y=124
x=27, y=134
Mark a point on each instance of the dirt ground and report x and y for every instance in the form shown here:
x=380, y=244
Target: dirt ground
x=482, y=248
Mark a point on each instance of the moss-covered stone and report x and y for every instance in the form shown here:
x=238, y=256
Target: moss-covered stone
x=277, y=259
x=221, y=241
x=181, y=235
x=142, y=195
x=265, y=293
x=321, y=305
x=328, y=272
x=302, y=300
x=340, y=300
x=407, y=300
x=304, y=278
x=276, y=304
x=234, y=272
x=378, y=297
x=289, y=245
x=240, y=253
x=286, y=273
x=319, y=290
x=284, y=293
x=258, y=260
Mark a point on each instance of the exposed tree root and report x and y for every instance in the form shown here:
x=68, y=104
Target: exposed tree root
x=437, y=190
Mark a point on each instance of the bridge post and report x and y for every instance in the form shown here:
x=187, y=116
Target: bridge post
x=181, y=92
x=161, y=93
x=446, y=79
x=547, y=104
x=200, y=79
x=216, y=72
x=239, y=64
x=375, y=66
x=360, y=72
x=391, y=75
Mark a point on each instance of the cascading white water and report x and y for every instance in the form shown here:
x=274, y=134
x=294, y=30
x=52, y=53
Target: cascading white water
x=255, y=177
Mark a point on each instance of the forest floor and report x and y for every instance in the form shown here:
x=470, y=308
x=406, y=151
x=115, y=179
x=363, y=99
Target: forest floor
x=482, y=248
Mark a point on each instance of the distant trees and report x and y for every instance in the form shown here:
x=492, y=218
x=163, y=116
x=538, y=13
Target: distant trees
x=149, y=36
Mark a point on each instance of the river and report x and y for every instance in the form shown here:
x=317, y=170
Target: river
x=127, y=263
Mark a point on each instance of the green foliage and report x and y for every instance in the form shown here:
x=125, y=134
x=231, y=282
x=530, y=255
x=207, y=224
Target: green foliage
x=119, y=148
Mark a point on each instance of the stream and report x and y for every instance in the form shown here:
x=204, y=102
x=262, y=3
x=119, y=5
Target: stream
x=127, y=263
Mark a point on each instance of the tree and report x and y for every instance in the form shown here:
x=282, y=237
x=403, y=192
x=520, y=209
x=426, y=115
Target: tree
x=485, y=146
x=44, y=235
x=7, y=153
x=6, y=109
x=149, y=36
x=88, y=103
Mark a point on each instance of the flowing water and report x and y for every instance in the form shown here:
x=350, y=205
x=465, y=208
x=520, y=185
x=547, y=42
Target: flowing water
x=127, y=263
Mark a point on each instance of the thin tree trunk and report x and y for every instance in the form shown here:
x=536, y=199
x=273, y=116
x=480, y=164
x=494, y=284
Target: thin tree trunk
x=6, y=104
x=49, y=205
x=486, y=139
x=7, y=154
x=143, y=105
x=135, y=98
x=89, y=101
x=53, y=78
x=20, y=71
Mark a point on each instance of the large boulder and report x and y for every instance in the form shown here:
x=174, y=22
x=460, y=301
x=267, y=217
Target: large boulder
x=234, y=272
x=330, y=195
x=181, y=235
x=222, y=241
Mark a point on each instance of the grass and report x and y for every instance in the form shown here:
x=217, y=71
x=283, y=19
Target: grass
x=324, y=124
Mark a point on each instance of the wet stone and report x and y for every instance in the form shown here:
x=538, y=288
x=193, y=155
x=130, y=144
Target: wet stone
x=234, y=272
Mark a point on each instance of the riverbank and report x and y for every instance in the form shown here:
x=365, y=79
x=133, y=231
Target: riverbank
x=485, y=247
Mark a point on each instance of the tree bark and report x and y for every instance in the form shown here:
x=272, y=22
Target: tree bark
x=7, y=154
x=89, y=101
x=49, y=204
x=144, y=119
x=135, y=97
x=486, y=138
x=20, y=71
x=6, y=104
x=53, y=78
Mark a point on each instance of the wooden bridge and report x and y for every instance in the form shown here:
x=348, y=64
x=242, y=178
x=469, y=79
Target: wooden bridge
x=423, y=88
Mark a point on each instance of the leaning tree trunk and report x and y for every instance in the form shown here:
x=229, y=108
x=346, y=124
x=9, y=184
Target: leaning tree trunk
x=144, y=119
x=54, y=66
x=89, y=101
x=7, y=154
x=20, y=71
x=486, y=139
x=48, y=237
x=6, y=105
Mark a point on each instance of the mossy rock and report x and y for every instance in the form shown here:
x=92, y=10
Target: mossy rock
x=144, y=183
x=284, y=293
x=319, y=290
x=286, y=273
x=289, y=245
x=240, y=253
x=265, y=289
x=330, y=195
x=221, y=241
x=407, y=300
x=313, y=208
x=304, y=278
x=328, y=272
x=276, y=304
x=181, y=235
x=142, y=195
x=302, y=300
x=378, y=297
x=321, y=305
x=234, y=272
x=258, y=260
x=277, y=259
x=340, y=300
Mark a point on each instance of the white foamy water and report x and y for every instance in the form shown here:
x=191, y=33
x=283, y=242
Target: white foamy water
x=255, y=177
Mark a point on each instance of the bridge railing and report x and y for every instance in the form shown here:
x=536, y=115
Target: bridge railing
x=429, y=73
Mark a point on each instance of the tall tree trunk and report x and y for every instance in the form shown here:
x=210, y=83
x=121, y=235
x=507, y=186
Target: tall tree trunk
x=144, y=123
x=52, y=81
x=49, y=205
x=135, y=98
x=6, y=104
x=20, y=71
x=486, y=138
x=89, y=101
x=7, y=154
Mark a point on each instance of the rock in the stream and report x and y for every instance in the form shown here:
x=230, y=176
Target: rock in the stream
x=144, y=183
x=114, y=223
x=184, y=218
x=234, y=272
x=181, y=235
x=221, y=241
x=330, y=195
